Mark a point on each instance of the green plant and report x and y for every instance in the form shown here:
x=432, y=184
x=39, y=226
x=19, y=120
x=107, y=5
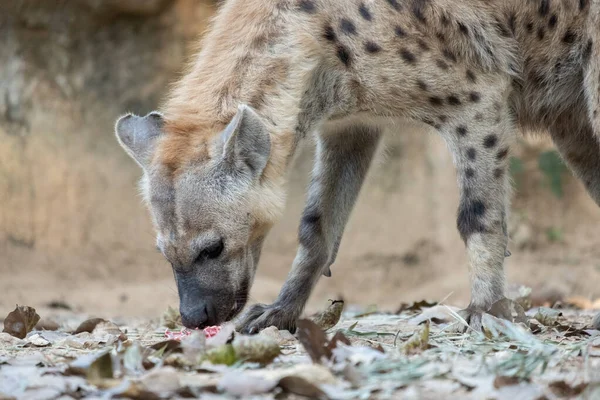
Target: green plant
x=553, y=168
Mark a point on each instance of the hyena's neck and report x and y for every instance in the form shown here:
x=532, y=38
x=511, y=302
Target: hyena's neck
x=254, y=56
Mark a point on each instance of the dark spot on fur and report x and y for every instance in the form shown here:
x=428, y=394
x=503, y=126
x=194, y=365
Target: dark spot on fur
x=461, y=130
x=443, y=118
x=418, y=10
x=463, y=28
x=490, y=141
x=529, y=27
x=453, y=100
x=512, y=23
x=544, y=7
x=364, y=12
x=498, y=172
x=436, y=101
x=583, y=4
x=395, y=4
x=441, y=37
x=471, y=76
x=442, y=64
x=344, y=55
x=479, y=117
x=445, y=20
x=449, y=55
x=347, y=26
x=307, y=6
x=470, y=173
x=422, y=45
x=588, y=50
x=399, y=31
x=329, y=33
x=372, y=47
x=407, y=56
x=470, y=215
x=471, y=153
x=502, y=154
x=428, y=121
x=422, y=85
x=502, y=30
x=569, y=37
x=541, y=33
x=552, y=21
x=474, y=97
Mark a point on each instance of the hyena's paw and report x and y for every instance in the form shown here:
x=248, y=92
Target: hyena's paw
x=261, y=316
x=472, y=317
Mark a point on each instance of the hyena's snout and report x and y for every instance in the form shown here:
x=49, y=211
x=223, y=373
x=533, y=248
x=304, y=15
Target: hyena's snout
x=199, y=315
x=203, y=303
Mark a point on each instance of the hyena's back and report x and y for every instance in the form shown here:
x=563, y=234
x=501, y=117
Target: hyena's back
x=425, y=59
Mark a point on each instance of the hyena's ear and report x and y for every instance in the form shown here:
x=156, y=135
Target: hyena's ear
x=137, y=135
x=246, y=142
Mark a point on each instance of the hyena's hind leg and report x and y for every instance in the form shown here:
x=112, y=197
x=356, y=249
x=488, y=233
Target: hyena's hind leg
x=480, y=138
x=579, y=146
x=344, y=154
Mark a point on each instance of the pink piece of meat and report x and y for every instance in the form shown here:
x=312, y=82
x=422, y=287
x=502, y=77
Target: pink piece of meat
x=209, y=332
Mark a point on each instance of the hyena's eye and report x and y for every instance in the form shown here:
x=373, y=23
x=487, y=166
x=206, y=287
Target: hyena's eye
x=211, y=252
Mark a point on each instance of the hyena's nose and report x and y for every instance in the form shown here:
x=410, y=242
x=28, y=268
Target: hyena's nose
x=196, y=317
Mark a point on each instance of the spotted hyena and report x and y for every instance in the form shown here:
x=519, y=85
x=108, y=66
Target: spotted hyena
x=272, y=72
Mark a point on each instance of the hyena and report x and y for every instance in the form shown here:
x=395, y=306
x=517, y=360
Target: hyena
x=271, y=73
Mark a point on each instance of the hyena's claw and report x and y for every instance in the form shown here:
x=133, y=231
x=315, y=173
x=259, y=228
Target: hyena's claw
x=472, y=317
x=261, y=316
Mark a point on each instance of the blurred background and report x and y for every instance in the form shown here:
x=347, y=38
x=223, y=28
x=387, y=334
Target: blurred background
x=74, y=232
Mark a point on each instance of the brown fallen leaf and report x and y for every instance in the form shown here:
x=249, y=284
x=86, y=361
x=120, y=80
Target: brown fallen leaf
x=88, y=325
x=501, y=381
x=418, y=342
x=301, y=387
x=509, y=310
x=21, y=321
x=93, y=366
x=313, y=339
x=167, y=346
x=416, y=306
x=563, y=389
x=339, y=337
x=328, y=318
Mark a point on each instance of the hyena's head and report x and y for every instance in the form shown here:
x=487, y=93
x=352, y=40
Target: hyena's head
x=210, y=214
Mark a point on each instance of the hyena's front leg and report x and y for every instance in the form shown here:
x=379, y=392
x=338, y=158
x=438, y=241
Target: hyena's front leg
x=342, y=161
x=481, y=152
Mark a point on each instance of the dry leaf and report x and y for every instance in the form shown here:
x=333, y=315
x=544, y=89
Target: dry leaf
x=167, y=346
x=509, y=310
x=501, y=381
x=416, y=306
x=313, y=339
x=563, y=389
x=21, y=321
x=244, y=385
x=96, y=366
x=520, y=294
x=330, y=317
x=105, y=328
x=257, y=348
x=283, y=337
x=88, y=325
x=418, y=342
x=162, y=380
x=301, y=387
x=547, y=316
